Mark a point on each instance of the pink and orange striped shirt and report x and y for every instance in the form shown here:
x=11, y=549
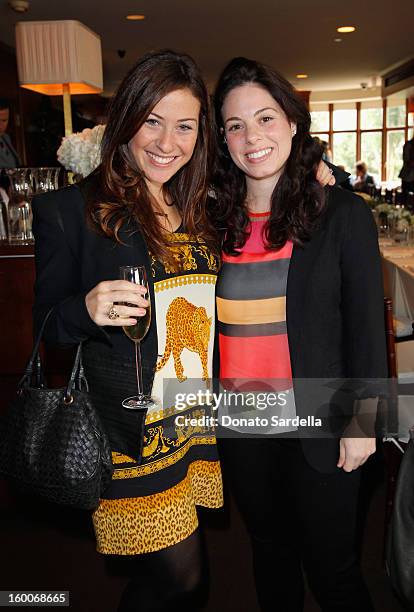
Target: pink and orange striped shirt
x=251, y=309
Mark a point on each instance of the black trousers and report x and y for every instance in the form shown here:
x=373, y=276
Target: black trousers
x=296, y=516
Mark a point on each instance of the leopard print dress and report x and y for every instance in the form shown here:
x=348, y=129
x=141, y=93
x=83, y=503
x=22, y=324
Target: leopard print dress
x=153, y=505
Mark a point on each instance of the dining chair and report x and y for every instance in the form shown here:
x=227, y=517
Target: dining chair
x=392, y=452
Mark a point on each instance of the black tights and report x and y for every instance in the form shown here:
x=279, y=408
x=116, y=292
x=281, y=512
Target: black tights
x=170, y=579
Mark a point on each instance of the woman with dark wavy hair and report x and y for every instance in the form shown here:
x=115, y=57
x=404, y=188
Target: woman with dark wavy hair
x=299, y=297
x=144, y=205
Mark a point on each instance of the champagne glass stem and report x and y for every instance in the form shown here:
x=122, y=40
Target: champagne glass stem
x=138, y=364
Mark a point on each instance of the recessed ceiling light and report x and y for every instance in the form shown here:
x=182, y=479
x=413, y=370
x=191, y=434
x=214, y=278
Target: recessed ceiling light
x=337, y=39
x=301, y=76
x=346, y=29
x=135, y=17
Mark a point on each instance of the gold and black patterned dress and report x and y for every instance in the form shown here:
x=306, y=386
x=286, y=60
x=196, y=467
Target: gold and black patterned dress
x=153, y=505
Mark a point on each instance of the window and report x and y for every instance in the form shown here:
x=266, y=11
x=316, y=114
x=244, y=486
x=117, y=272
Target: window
x=371, y=145
x=344, y=119
x=396, y=116
x=395, y=143
x=357, y=131
x=371, y=118
x=320, y=121
x=344, y=150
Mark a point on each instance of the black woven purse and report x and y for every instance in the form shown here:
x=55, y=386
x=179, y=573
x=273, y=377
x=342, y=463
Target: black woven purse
x=51, y=441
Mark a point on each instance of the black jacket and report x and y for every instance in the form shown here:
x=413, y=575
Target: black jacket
x=71, y=259
x=335, y=312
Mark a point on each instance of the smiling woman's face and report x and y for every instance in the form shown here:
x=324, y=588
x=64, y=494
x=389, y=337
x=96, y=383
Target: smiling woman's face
x=166, y=140
x=258, y=133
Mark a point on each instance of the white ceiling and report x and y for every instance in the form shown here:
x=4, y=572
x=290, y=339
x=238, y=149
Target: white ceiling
x=292, y=35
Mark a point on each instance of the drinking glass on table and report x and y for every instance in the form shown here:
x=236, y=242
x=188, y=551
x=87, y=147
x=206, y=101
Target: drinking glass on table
x=136, y=333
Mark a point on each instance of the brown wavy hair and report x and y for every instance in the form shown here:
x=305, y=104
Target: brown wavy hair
x=123, y=195
x=298, y=199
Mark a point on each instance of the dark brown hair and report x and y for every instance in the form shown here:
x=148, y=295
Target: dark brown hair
x=124, y=195
x=297, y=200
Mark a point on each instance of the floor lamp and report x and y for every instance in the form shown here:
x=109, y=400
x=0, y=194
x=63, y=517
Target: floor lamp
x=59, y=58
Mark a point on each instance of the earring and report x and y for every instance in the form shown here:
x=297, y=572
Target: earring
x=224, y=140
x=294, y=132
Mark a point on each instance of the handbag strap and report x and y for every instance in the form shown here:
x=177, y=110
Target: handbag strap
x=35, y=358
x=77, y=377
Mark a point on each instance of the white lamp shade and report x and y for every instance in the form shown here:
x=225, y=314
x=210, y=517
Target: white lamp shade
x=53, y=53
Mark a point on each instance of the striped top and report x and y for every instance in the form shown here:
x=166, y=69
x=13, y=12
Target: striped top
x=251, y=313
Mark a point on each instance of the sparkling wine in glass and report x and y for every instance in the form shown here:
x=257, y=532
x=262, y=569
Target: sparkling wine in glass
x=136, y=333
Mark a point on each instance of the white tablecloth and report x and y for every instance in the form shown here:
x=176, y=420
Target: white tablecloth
x=398, y=268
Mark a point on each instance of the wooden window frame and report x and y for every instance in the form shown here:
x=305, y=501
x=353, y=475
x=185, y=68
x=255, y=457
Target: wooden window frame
x=358, y=131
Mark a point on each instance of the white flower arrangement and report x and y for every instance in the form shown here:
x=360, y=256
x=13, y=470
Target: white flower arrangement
x=81, y=152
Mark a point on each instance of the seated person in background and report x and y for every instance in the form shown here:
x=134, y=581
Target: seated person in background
x=362, y=181
x=9, y=157
x=327, y=153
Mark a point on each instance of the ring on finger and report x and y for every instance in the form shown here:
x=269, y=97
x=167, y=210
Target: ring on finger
x=113, y=313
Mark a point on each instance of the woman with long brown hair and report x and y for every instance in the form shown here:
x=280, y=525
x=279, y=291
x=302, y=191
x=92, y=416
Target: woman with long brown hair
x=299, y=299
x=144, y=205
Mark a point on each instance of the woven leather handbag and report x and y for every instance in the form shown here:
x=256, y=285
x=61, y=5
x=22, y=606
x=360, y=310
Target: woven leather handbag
x=51, y=441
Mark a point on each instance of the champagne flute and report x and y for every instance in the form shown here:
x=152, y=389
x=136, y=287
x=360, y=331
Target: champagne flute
x=136, y=333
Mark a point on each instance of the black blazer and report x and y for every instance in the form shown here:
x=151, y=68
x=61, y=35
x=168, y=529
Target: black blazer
x=335, y=318
x=71, y=259
x=335, y=312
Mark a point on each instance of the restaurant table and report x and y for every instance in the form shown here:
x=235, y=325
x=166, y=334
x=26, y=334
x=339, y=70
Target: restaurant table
x=398, y=272
x=398, y=269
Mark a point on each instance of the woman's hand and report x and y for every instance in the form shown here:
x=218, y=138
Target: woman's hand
x=353, y=452
x=324, y=175
x=100, y=300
